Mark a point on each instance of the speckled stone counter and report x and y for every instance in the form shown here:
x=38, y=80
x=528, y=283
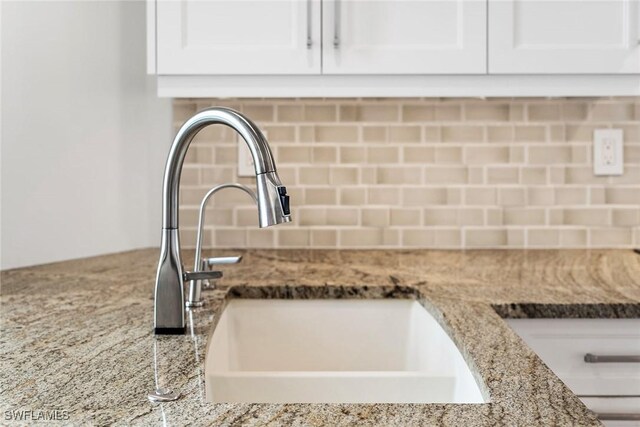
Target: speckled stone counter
x=77, y=336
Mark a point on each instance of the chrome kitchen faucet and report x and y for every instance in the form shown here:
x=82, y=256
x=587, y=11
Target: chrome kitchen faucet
x=272, y=200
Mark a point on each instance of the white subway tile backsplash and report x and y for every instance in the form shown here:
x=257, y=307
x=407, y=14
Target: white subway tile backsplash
x=433, y=173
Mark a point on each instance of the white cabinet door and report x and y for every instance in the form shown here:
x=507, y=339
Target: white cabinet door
x=404, y=36
x=238, y=37
x=563, y=344
x=564, y=37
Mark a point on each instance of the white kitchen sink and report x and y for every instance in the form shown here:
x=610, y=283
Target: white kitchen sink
x=334, y=351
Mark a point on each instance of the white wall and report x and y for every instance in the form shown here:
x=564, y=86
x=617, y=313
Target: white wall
x=84, y=137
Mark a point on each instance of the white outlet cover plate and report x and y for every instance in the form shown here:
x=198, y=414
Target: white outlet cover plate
x=608, y=152
x=245, y=161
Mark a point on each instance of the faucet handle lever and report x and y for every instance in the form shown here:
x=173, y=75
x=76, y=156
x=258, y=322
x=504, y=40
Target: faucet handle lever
x=222, y=260
x=201, y=275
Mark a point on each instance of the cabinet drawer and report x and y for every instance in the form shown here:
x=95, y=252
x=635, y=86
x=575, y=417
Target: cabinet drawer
x=563, y=343
x=617, y=411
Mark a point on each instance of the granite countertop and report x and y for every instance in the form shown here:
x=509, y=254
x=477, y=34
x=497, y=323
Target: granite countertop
x=77, y=336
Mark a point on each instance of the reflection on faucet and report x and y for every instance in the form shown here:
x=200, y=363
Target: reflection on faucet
x=164, y=353
x=273, y=208
x=196, y=342
x=160, y=394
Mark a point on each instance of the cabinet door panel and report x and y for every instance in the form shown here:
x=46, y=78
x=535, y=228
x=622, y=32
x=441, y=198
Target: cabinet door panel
x=238, y=36
x=404, y=37
x=563, y=343
x=564, y=37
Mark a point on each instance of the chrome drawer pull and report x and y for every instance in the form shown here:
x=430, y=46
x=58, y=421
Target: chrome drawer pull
x=617, y=416
x=309, y=39
x=594, y=358
x=336, y=24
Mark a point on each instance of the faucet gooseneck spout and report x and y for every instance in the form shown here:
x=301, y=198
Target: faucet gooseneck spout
x=273, y=208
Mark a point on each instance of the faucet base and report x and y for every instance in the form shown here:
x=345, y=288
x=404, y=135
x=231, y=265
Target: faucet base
x=169, y=294
x=170, y=331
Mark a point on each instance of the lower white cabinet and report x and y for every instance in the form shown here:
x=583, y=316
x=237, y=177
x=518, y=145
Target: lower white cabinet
x=612, y=406
x=598, y=359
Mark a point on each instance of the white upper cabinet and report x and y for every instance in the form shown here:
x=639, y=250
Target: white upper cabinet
x=564, y=37
x=404, y=36
x=360, y=48
x=238, y=37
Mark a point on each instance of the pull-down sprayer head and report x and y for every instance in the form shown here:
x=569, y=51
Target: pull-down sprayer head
x=273, y=201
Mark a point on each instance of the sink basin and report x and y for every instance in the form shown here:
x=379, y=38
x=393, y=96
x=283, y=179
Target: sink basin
x=334, y=351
